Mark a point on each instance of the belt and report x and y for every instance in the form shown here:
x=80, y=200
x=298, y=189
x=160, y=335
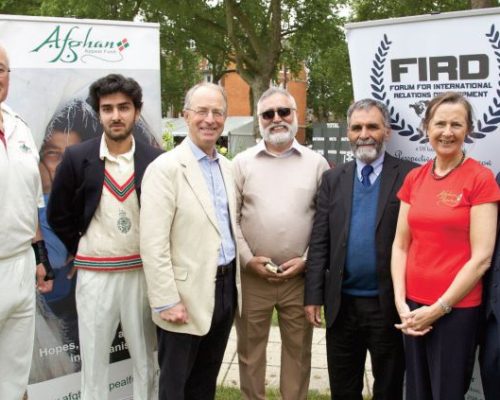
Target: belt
x=225, y=269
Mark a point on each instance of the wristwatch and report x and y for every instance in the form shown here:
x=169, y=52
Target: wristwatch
x=444, y=305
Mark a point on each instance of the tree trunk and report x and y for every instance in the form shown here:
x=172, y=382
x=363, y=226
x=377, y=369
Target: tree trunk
x=258, y=86
x=481, y=3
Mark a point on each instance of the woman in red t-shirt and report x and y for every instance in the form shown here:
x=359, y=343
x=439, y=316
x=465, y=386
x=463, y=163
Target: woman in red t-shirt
x=443, y=246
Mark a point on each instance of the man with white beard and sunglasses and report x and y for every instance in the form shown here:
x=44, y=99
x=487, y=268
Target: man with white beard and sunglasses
x=276, y=185
x=349, y=260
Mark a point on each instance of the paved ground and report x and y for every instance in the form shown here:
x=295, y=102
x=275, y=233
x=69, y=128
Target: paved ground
x=229, y=375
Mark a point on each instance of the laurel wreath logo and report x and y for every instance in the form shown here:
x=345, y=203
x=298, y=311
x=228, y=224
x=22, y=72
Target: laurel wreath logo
x=489, y=122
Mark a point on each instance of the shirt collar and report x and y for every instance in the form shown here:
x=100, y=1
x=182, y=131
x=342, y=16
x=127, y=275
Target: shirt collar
x=8, y=123
x=198, y=153
x=294, y=148
x=377, y=165
x=104, y=151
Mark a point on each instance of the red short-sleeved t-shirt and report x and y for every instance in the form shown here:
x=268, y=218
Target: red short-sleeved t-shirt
x=439, y=221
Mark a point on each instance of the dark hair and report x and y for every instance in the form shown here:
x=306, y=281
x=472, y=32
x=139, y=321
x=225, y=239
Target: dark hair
x=448, y=98
x=114, y=83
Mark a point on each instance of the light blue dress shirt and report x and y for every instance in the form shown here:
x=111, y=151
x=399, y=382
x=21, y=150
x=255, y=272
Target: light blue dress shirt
x=215, y=183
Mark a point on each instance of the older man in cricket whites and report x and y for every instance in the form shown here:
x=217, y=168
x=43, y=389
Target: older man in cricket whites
x=23, y=256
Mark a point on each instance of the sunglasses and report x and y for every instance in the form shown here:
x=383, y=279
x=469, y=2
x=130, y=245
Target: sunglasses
x=281, y=111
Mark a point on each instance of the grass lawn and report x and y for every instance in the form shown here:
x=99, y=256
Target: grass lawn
x=228, y=393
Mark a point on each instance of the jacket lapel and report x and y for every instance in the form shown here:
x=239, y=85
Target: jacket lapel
x=195, y=179
x=93, y=176
x=140, y=164
x=346, y=187
x=390, y=172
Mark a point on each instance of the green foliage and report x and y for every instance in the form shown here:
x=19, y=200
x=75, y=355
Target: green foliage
x=327, y=60
x=179, y=71
x=16, y=7
x=365, y=10
x=109, y=9
x=257, y=36
x=168, y=137
x=330, y=88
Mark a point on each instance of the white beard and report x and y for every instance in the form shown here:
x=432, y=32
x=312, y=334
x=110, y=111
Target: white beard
x=368, y=154
x=279, y=138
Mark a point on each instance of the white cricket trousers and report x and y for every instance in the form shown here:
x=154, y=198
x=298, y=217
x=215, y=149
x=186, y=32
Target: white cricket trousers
x=17, y=323
x=103, y=299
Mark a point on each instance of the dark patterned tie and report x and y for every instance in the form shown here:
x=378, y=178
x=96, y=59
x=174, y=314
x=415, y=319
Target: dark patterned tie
x=365, y=175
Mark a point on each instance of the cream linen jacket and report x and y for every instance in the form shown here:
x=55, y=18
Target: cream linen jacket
x=180, y=239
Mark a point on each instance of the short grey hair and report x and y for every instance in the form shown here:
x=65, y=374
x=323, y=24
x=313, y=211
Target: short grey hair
x=367, y=104
x=189, y=94
x=271, y=92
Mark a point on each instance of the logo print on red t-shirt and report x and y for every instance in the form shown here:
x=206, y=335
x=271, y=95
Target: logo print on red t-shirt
x=448, y=198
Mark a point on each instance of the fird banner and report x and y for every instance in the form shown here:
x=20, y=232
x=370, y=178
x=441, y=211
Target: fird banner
x=405, y=62
x=53, y=61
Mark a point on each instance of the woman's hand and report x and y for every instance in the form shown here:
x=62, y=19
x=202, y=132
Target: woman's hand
x=406, y=320
x=419, y=321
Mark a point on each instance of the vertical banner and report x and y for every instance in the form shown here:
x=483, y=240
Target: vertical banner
x=405, y=62
x=53, y=61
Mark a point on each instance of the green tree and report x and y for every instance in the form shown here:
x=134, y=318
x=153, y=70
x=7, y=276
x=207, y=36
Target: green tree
x=330, y=89
x=15, y=7
x=483, y=3
x=257, y=36
x=365, y=10
x=109, y=9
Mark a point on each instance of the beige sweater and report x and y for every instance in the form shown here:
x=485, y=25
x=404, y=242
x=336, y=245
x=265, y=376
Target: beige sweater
x=276, y=201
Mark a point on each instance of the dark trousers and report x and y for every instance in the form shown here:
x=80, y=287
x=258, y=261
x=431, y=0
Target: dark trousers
x=189, y=364
x=439, y=364
x=489, y=359
x=360, y=327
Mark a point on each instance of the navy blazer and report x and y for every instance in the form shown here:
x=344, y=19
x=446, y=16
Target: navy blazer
x=492, y=280
x=330, y=233
x=77, y=188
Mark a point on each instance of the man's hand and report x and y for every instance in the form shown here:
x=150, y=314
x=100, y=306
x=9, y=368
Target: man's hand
x=42, y=285
x=313, y=315
x=257, y=265
x=292, y=268
x=176, y=314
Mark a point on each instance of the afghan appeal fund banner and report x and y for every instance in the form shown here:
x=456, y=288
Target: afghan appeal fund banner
x=405, y=62
x=53, y=62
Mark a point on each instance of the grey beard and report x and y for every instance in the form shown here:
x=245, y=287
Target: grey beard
x=279, y=137
x=368, y=155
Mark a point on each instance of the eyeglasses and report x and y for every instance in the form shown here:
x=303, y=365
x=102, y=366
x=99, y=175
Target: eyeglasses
x=203, y=112
x=281, y=111
x=4, y=71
